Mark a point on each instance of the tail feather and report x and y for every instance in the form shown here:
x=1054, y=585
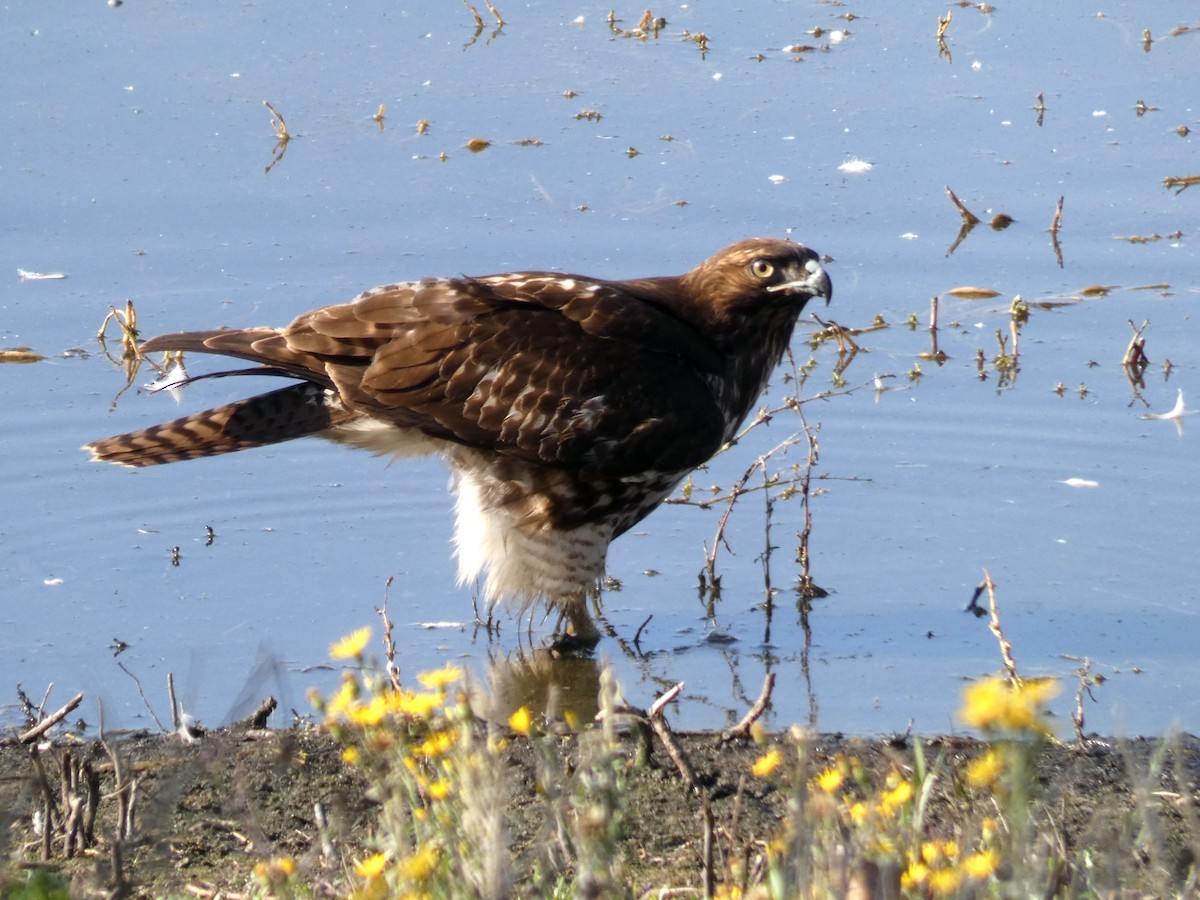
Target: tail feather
x=281, y=415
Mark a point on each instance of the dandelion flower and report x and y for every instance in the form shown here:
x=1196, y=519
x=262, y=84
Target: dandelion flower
x=767, y=763
x=896, y=797
x=995, y=705
x=830, y=780
x=352, y=645
x=944, y=882
x=859, y=813
x=420, y=865
x=986, y=770
x=915, y=875
x=980, y=865
x=521, y=721
x=435, y=745
x=440, y=679
x=368, y=714
x=372, y=866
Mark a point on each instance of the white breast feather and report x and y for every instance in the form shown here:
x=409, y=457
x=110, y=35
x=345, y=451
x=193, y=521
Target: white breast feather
x=523, y=562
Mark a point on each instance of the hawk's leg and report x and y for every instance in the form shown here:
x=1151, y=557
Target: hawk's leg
x=575, y=632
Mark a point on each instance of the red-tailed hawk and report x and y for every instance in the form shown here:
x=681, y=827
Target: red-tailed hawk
x=567, y=407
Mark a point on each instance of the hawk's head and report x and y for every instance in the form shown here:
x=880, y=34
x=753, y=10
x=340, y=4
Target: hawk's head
x=760, y=280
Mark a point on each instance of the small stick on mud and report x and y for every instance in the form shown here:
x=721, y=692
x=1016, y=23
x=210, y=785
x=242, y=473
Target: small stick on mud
x=142, y=694
x=710, y=881
x=257, y=720
x=659, y=723
x=328, y=852
x=174, y=702
x=741, y=730
x=50, y=721
x=1084, y=674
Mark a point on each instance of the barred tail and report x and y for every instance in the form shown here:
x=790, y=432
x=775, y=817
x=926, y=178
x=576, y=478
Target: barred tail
x=281, y=415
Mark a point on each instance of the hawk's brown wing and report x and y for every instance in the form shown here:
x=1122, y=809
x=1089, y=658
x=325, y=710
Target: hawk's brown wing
x=555, y=369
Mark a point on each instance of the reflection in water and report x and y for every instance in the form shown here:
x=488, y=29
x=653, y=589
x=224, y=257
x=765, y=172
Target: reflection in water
x=552, y=687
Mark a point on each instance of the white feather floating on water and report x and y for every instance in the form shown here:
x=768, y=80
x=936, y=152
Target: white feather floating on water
x=1177, y=412
x=170, y=381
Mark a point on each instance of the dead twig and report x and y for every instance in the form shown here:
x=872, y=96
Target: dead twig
x=970, y=220
x=50, y=721
x=659, y=723
x=1010, y=664
x=741, y=730
x=174, y=702
x=142, y=694
x=282, y=136
x=710, y=880
x=1183, y=182
x=1135, y=353
x=389, y=645
x=1054, y=225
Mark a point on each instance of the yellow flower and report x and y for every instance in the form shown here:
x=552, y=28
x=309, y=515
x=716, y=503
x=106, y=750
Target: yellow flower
x=350, y=755
x=859, y=813
x=352, y=645
x=439, y=790
x=521, y=721
x=830, y=780
x=369, y=714
x=944, y=882
x=344, y=698
x=276, y=870
x=995, y=705
x=916, y=874
x=420, y=865
x=985, y=771
x=767, y=763
x=372, y=866
x=896, y=798
x=440, y=679
x=416, y=706
x=435, y=745
x=981, y=865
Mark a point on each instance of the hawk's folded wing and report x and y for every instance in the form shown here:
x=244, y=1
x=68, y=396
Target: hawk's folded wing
x=548, y=368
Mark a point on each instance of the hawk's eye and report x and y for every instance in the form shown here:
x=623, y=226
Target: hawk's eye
x=761, y=269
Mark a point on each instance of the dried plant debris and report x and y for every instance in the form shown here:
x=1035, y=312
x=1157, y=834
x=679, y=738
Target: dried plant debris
x=1148, y=238
x=19, y=355
x=1183, y=182
x=972, y=293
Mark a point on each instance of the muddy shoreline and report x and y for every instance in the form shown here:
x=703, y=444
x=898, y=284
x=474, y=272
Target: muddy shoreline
x=207, y=811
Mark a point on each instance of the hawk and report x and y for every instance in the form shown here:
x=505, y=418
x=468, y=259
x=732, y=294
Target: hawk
x=567, y=408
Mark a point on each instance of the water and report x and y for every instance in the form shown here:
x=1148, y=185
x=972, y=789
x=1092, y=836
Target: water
x=135, y=144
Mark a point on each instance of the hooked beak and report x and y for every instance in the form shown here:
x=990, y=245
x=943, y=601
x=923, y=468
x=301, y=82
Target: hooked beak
x=809, y=280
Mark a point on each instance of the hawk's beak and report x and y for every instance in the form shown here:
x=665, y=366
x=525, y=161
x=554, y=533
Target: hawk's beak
x=809, y=280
